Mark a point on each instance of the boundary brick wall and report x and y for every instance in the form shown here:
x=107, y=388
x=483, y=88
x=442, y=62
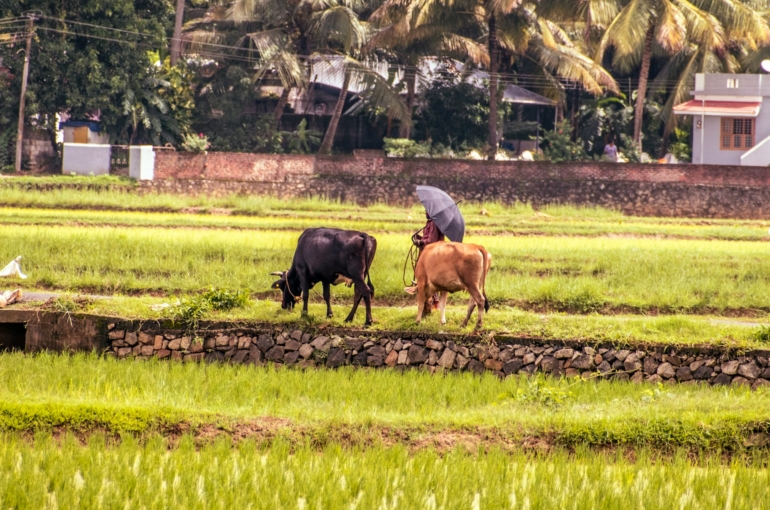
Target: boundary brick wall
x=639, y=189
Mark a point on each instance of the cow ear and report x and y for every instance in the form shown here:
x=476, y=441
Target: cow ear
x=278, y=284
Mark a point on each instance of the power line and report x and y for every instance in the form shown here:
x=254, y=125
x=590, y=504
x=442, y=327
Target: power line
x=526, y=80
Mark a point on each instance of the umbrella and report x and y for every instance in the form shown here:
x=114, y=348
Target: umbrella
x=443, y=211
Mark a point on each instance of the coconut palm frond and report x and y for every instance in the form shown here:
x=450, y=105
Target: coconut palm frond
x=267, y=42
x=566, y=62
x=378, y=92
x=547, y=36
x=670, y=31
x=453, y=44
x=198, y=40
x=627, y=31
x=600, y=13
x=701, y=26
x=682, y=67
x=339, y=24
x=291, y=73
x=742, y=19
x=559, y=34
x=242, y=10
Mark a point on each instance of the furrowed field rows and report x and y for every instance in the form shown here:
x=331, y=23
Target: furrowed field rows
x=71, y=207
x=66, y=474
x=557, y=273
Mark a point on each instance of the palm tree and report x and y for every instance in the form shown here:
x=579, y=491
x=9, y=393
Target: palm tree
x=405, y=45
x=290, y=35
x=697, y=32
x=510, y=28
x=176, y=42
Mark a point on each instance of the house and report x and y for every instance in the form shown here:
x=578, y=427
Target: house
x=83, y=131
x=731, y=119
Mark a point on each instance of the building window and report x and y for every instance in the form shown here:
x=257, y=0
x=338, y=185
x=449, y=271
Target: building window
x=737, y=134
x=732, y=83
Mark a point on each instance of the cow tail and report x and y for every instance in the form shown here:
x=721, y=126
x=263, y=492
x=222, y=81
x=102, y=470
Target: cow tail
x=367, y=261
x=487, y=264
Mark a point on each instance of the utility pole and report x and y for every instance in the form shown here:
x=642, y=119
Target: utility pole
x=25, y=75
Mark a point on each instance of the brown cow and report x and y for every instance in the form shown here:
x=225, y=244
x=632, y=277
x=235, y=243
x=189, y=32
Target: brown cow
x=451, y=267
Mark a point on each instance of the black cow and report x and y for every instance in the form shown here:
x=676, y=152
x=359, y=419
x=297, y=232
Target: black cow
x=329, y=256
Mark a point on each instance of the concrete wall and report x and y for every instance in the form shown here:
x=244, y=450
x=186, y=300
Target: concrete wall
x=37, y=153
x=141, y=162
x=654, y=190
x=86, y=159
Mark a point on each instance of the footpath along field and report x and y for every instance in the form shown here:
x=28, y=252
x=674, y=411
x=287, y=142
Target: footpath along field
x=84, y=431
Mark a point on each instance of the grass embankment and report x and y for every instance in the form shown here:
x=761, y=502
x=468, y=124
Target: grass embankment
x=66, y=474
x=578, y=275
x=362, y=407
x=673, y=330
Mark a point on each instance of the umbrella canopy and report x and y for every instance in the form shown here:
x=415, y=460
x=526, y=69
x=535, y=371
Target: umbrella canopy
x=443, y=211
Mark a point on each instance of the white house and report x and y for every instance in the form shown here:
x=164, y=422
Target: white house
x=731, y=119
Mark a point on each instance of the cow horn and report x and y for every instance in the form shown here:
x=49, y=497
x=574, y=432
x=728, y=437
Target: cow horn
x=276, y=273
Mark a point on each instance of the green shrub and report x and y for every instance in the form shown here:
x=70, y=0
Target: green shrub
x=406, y=148
x=192, y=309
x=558, y=145
x=195, y=143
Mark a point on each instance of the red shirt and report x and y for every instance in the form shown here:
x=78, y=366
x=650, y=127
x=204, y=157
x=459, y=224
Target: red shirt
x=430, y=234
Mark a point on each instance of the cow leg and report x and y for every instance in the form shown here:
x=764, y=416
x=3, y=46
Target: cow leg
x=471, y=306
x=367, y=302
x=361, y=291
x=478, y=298
x=327, y=298
x=421, y=298
x=442, y=305
x=303, y=284
x=356, y=300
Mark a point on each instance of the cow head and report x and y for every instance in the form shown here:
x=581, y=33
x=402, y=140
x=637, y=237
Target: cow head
x=288, y=298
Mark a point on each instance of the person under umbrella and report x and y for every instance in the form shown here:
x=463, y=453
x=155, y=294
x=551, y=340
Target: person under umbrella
x=430, y=234
x=443, y=217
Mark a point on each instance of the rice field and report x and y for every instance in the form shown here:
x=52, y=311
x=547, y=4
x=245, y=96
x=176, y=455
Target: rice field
x=85, y=392
x=578, y=275
x=66, y=474
x=81, y=431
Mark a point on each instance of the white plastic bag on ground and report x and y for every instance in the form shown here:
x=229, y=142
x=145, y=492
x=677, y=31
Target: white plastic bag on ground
x=9, y=297
x=13, y=269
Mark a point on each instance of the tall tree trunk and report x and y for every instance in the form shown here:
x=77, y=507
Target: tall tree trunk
x=410, y=77
x=281, y=104
x=667, y=130
x=176, y=42
x=331, y=131
x=641, y=92
x=493, y=51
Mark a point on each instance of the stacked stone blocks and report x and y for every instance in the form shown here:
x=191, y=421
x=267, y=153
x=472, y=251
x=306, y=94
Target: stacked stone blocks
x=295, y=348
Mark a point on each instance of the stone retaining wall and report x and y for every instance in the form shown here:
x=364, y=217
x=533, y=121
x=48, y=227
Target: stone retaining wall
x=443, y=353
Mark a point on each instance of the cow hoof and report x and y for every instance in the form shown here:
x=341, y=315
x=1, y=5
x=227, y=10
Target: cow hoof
x=368, y=324
x=329, y=315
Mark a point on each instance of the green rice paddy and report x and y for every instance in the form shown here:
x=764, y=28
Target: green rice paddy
x=82, y=431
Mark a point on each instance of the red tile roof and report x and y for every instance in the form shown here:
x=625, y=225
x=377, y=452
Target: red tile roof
x=727, y=108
